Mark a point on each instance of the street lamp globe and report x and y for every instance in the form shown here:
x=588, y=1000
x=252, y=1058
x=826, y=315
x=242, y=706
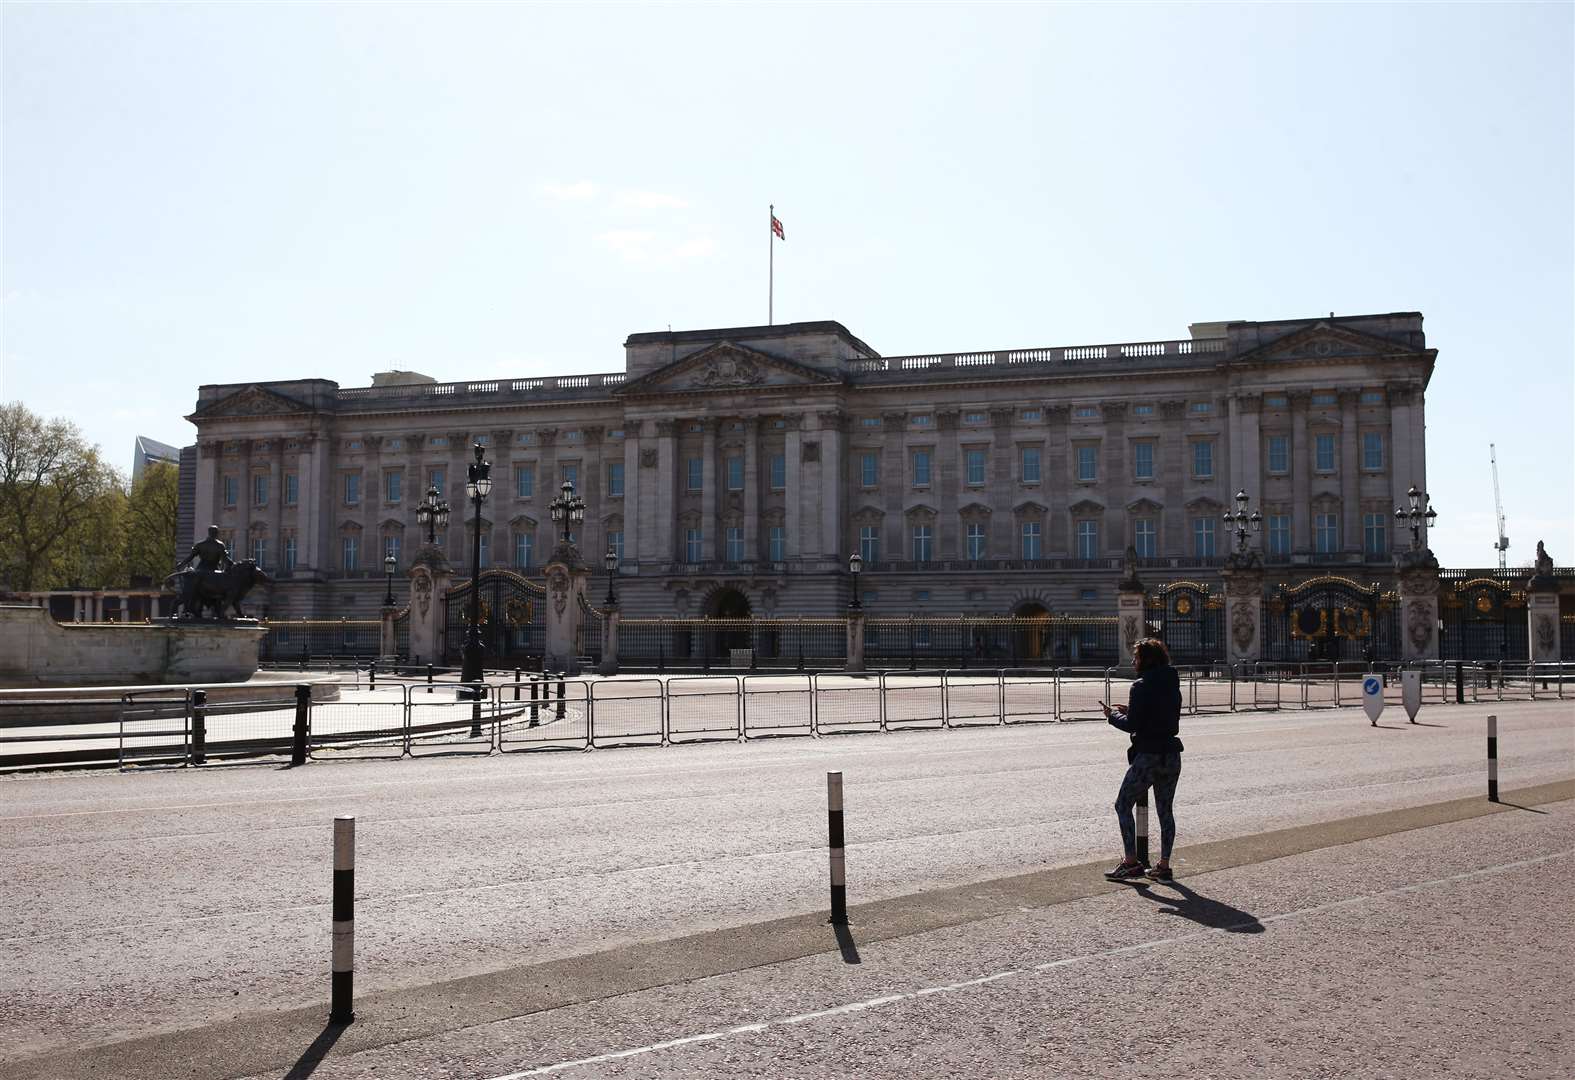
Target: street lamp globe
x=610, y=560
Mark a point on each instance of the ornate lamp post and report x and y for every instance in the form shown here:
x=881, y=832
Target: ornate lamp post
x=1420, y=510
x=433, y=514
x=389, y=562
x=568, y=510
x=1242, y=522
x=610, y=561
x=477, y=488
x=855, y=567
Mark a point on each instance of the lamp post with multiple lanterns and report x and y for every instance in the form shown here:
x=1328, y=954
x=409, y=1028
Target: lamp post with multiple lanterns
x=610, y=561
x=389, y=562
x=477, y=488
x=1421, y=510
x=1243, y=523
x=568, y=510
x=433, y=514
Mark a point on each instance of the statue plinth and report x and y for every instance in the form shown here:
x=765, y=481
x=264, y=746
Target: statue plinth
x=1418, y=573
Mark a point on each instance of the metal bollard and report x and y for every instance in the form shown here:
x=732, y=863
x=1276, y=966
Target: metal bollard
x=1460, y=683
x=341, y=1007
x=429, y=678
x=371, y=675
x=1141, y=822
x=535, y=718
x=839, y=866
x=563, y=688
x=303, y=703
x=516, y=684
x=1492, y=759
x=199, y=727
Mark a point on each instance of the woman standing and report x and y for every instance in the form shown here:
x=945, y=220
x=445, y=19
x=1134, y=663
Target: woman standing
x=1152, y=717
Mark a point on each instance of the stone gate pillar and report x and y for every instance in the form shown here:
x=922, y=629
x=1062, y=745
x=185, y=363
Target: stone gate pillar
x=609, y=664
x=567, y=577
x=1542, y=609
x=1130, y=597
x=430, y=576
x=855, y=639
x=1243, y=574
x=1418, y=572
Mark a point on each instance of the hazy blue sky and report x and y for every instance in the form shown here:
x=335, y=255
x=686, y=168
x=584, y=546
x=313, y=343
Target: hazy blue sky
x=221, y=192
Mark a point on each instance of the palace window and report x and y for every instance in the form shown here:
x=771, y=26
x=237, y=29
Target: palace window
x=1088, y=539
x=524, y=481
x=615, y=479
x=976, y=418
x=292, y=489
x=733, y=541
x=436, y=480
x=571, y=472
x=921, y=543
x=1143, y=537
x=229, y=490
x=439, y=440
x=778, y=470
x=289, y=552
x=524, y=550
x=921, y=468
x=260, y=551
x=695, y=468
x=1279, y=534
x=1142, y=461
x=869, y=543
x=1145, y=409
x=870, y=422
x=974, y=460
x=1372, y=397
x=735, y=474
x=1030, y=415
x=1202, y=406
x=1375, y=537
x=1323, y=399
x=1372, y=450
x=349, y=552
x=869, y=469
x=1203, y=537
x=1276, y=401
x=1087, y=463
x=1279, y=454
x=1031, y=547
x=692, y=545
x=777, y=544
x=391, y=546
x=1202, y=459
x=260, y=489
x=920, y=421
x=1323, y=453
x=615, y=543
x=1085, y=412
x=1326, y=533
x=975, y=540
x=352, y=488
x=486, y=549
x=1030, y=465
x=392, y=482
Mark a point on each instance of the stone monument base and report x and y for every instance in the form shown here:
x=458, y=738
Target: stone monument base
x=36, y=651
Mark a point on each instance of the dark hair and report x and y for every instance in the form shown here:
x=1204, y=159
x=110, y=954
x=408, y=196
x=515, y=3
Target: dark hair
x=1151, y=653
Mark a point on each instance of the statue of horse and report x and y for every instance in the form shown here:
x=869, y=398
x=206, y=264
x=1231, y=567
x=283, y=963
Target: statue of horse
x=221, y=592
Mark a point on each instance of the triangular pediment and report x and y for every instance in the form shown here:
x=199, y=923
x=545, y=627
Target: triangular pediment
x=1326, y=341
x=250, y=401
x=1028, y=506
x=1144, y=506
x=1086, y=506
x=1204, y=505
x=726, y=366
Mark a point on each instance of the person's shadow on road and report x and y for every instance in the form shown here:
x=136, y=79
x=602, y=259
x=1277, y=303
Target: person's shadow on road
x=1194, y=907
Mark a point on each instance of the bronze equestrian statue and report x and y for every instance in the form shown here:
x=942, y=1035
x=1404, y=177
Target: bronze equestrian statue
x=216, y=581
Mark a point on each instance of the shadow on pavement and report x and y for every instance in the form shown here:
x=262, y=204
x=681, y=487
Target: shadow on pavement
x=313, y=1056
x=846, y=944
x=1517, y=806
x=1200, y=909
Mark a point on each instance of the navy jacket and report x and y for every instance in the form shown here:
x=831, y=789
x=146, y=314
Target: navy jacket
x=1153, y=713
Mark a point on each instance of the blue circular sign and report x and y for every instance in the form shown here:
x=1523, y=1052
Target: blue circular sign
x=1371, y=685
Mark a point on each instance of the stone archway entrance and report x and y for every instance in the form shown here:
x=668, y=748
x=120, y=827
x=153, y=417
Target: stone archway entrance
x=729, y=603
x=1033, y=638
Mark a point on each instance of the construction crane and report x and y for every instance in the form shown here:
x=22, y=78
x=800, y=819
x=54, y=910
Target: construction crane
x=1502, y=544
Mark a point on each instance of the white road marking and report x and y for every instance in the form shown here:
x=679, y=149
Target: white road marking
x=890, y=999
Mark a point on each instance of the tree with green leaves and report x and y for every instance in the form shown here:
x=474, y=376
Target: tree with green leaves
x=150, y=522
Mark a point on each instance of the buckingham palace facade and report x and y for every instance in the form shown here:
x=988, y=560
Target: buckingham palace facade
x=734, y=471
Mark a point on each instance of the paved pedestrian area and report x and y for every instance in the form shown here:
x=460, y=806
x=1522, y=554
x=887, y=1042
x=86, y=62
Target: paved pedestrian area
x=190, y=906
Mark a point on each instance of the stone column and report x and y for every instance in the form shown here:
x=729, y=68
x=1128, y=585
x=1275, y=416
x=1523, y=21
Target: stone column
x=1301, y=474
x=1418, y=571
x=275, y=505
x=1056, y=484
x=833, y=428
x=855, y=639
x=752, y=483
x=1114, y=476
x=665, y=514
x=631, y=493
x=1542, y=609
x=567, y=577
x=1171, y=467
x=709, y=521
x=1130, y=596
x=430, y=576
x=609, y=665
x=209, y=452
x=243, y=503
x=793, y=495
x=1350, y=473
x=948, y=484
x=387, y=643
x=1243, y=574
x=1400, y=474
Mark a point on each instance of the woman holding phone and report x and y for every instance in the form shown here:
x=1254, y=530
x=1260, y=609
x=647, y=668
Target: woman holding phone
x=1152, y=717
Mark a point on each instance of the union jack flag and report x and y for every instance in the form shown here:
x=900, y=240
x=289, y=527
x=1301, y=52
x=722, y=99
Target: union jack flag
x=776, y=227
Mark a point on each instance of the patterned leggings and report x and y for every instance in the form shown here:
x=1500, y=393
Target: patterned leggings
x=1159, y=771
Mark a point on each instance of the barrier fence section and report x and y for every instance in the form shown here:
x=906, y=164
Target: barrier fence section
x=415, y=717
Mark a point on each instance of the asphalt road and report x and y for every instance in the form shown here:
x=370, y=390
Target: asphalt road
x=170, y=899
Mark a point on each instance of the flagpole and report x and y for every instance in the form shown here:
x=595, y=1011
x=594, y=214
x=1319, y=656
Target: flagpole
x=771, y=264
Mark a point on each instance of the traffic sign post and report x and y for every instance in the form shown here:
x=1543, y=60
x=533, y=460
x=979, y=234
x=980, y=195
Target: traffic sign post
x=1373, y=697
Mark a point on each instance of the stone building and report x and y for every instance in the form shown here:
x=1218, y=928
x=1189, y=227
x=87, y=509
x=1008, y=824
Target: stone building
x=735, y=470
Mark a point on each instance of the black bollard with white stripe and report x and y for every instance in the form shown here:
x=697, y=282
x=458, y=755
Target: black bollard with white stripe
x=341, y=1008
x=1141, y=823
x=1492, y=759
x=839, y=868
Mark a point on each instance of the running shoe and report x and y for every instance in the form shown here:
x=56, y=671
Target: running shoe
x=1160, y=873
x=1126, y=872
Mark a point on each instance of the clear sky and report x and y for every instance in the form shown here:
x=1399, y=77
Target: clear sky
x=221, y=192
